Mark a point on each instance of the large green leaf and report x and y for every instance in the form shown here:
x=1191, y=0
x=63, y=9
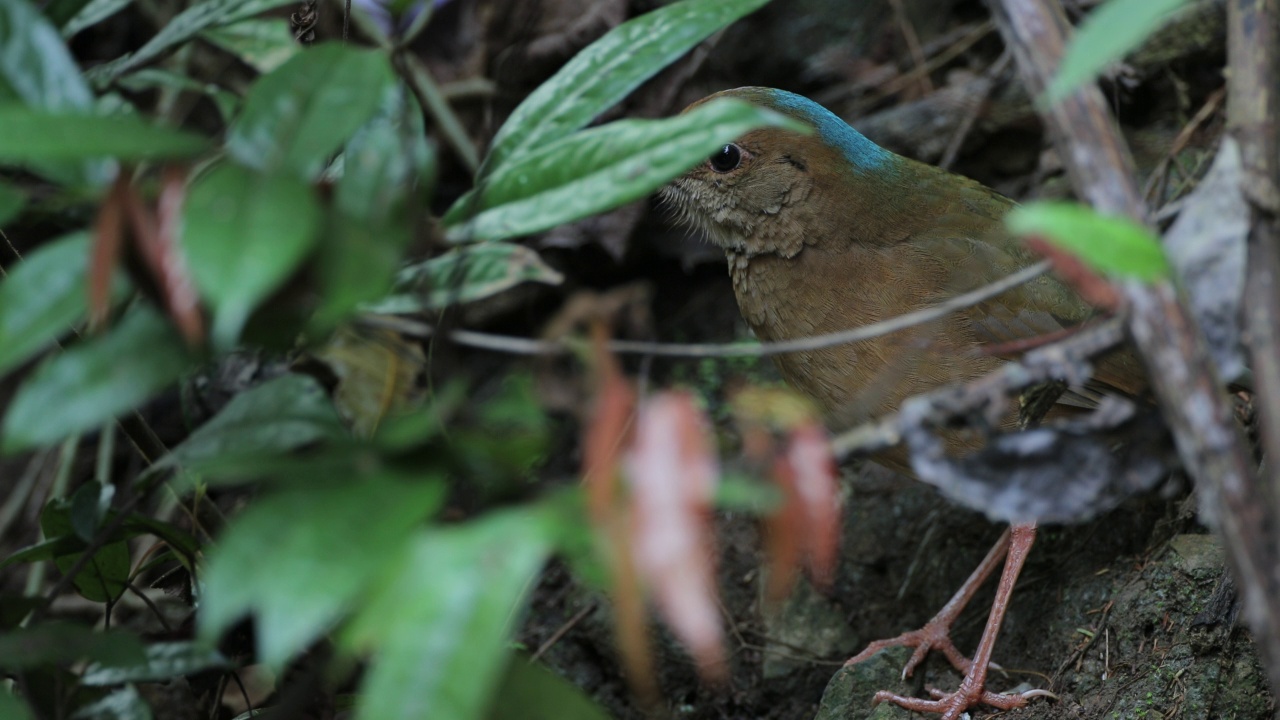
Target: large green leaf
x=599, y=169
x=386, y=167
x=43, y=297
x=162, y=661
x=37, y=68
x=92, y=13
x=274, y=418
x=440, y=636
x=1107, y=34
x=227, y=102
x=11, y=708
x=36, y=135
x=265, y=44
x=189, y=23
x=95, y=381
x=299, y=559
x=1114, y=246
x=243, y=234
x=35, y=65
x=60, y=643
x=608, y=70
x=463, y=275
x=300, y=114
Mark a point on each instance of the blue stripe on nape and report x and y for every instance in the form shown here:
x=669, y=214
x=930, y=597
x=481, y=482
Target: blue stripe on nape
x=861, y=152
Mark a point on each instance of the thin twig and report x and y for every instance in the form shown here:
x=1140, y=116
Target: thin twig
x=529, y=346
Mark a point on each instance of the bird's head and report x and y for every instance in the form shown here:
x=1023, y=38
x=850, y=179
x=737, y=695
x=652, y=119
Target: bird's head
x=766, y=190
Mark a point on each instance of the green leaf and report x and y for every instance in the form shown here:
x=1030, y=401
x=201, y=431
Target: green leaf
x=263, y=44
x=92, y=13
x=43, y=296
x=122, y=704
x=62, y=643
x=608, y=70
x=387, y=160
x=1114, y=246
x=274, y=418
x=11, y=708
x=37, y=68
x=228, y=103
x=464, y=275
x=387, y=163
x=12, y=200
x=600, y=169
x=105, y=576
x=440, y=637
x=529, y=691
x=162, y=661
x=1107, y=34
x=189, y=23
x=299, y=559
x=244, y=234
x=300, y=114
x=95, y=381
x=35, y=64
x=35, y=135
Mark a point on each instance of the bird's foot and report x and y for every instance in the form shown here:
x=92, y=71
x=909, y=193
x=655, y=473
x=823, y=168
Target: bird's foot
x=970, y=694
x=935, y=635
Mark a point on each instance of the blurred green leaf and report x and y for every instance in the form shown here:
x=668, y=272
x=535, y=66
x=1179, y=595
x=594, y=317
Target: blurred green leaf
x=264, y=44
x=12, y=200
x=599, y=169
x=36, y=65
x=386, y=161
x=529, y=691
x=608, y=70
x=440, y=637
x=122, y=704
x=43, y=297
x=464, y=275
x=300, y=114
x=276, y=417
x=162, y=660
x=105, y=576
x=1114, y=246
x=244, y=234
x=11, y=708
x=387, y=165
x=228, y=103
x=37, y=68
x=95, y=381
x=298, y=559
x=61, y=643
x=1108, y=33
x=190, y=22
x=36, y=135
x=90, y=13
x=89, y=505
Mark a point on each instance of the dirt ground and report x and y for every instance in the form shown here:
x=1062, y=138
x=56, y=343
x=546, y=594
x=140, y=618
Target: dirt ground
x=1126, y=617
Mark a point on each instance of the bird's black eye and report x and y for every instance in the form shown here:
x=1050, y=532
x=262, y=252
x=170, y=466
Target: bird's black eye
x=728, y=158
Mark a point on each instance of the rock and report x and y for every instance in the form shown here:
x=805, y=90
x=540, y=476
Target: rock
x=807, y=624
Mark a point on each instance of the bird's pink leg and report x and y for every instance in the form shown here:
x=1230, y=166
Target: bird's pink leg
x=936, y=634
x=972, y=690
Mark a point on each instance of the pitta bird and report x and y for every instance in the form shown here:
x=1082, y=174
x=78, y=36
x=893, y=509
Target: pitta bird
x=827, y=231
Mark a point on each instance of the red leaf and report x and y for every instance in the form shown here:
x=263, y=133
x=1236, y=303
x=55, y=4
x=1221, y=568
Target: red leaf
x=155, y=237
x=672, y=474
x=813, y=473
x=108, y=240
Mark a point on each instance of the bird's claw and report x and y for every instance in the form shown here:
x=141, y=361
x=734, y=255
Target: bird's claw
x=933, y=636
x=952, y=705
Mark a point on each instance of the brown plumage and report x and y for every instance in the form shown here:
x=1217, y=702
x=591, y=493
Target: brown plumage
x=826, y=232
